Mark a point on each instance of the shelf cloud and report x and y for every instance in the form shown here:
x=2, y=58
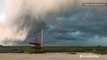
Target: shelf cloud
x=66, y=19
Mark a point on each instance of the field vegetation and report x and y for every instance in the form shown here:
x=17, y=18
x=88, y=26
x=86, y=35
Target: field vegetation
x=46, y=49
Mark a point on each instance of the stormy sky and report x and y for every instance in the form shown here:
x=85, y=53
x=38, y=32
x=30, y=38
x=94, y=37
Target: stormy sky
x=84, y=26
x=80, y=26
x=77, y=26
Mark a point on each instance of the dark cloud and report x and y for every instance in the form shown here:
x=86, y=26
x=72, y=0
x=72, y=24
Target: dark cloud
x=78, y=24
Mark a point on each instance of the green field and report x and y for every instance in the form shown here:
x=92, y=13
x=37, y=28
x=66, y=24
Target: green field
x=69, y=49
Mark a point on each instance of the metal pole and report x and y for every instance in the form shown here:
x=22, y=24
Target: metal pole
x=42, y=37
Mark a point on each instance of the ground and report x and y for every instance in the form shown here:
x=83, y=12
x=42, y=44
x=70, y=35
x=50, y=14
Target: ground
x=50, y=56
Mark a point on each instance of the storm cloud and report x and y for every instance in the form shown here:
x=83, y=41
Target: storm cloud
x=80, y=24
x=64, y=20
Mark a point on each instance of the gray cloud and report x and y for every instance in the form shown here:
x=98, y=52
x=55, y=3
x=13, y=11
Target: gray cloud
x=78, y=24
x=67, y=20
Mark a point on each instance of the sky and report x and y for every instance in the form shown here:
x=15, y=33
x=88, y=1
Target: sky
x=79, y=27
x=74, y=25
x=2, y=14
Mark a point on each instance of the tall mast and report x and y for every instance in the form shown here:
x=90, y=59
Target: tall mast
x=42, y=37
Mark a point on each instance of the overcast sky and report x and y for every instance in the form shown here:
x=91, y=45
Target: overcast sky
x=76, y=26
x=81, y=26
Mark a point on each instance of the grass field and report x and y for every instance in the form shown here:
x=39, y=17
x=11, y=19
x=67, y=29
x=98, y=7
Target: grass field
x=69, y=49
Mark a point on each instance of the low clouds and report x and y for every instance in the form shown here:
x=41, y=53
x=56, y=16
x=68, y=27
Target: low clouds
x=81, y=24
x=66, y=21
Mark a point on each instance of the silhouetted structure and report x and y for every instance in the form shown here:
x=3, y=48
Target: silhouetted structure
x=38, y=43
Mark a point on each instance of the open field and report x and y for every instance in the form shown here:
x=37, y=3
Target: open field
x=53, y=53
x=49, y=56
x=70, y=49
